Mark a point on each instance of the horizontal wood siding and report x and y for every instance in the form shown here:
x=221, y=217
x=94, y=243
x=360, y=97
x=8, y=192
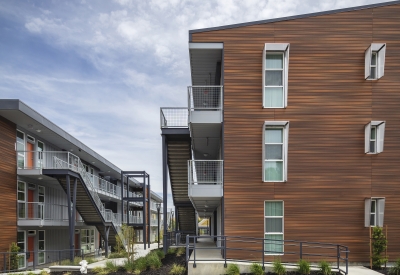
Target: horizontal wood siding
x=329, y=103
x=8, y=184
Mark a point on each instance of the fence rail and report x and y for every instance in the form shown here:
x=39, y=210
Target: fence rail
x=260, y=248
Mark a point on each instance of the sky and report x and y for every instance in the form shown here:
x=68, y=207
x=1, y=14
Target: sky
x=101, y=70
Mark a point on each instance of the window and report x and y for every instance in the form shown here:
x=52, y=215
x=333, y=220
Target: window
x=275, y=75
x=40, y=149
x=41, y=196
x=275, y=139
x=21, y=237
x=374, y=211
x=21, y=149
x=41, y=243
x=87, y=240
x=21, y=199
x=375, y=61
x=374, y=137
x=273, y=211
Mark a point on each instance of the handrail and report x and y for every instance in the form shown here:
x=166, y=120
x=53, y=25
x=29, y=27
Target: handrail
x=171, y=117
x=338, y=250
x=207, y=97
x=43, y=211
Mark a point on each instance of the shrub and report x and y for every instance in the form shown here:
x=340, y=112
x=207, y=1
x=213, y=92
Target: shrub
x=395, y=269
x=99, y=270
x=304, y=267
x=141, y=264
x=325, y=268
x=44, y=272
x=111, y=266
x=177, y=270
x=180, y=251
x=160, y=253
x=278, y=267
x=122, y=254
x=14, y=258
x=171, y=251
x=153, y=262
x=129, y=266
x=256, y=269
x=379, y=243
x=233, y=269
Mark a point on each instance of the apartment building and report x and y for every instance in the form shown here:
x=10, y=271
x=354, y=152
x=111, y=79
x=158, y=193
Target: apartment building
x=58, y=194
x=291, y=131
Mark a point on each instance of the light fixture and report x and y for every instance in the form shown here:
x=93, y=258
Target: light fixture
x=38, y=130
x=93, y=162
x=40, y=178
x=71, y=150
x=205, y=154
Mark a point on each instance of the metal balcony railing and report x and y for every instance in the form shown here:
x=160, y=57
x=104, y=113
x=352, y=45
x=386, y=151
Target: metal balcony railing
x=205, y=97
x=174, y=117
x=205, y=172
x=56, y=160
x=43, y=211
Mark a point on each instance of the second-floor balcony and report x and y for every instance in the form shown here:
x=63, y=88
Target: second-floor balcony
x=32, y=163
x=205, y=178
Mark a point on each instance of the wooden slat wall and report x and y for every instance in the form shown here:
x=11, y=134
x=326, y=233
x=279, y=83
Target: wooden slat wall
x=8, y=184
x=329, y=102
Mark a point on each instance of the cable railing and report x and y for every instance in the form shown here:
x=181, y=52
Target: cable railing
x=205, y=97
x=258, y=249
x=174, y=117
x=44, y=211
x=205, y=172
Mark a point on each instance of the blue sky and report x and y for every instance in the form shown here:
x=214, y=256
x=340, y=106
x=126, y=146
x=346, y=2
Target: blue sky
x=102, y=69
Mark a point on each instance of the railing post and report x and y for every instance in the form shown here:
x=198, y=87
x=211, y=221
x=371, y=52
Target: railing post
x=34, y=259
x=301, y=250
x=263, y=255
x=4, y=259
x=225, y=242
x=347, y=260
x=187, y=250
x=59, y=257
x=194, y=251
x=338, y=256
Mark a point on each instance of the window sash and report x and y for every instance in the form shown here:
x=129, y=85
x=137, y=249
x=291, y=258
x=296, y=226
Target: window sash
x=274, y=213
x=379, y=137
x=374, y=212
x=380, y=50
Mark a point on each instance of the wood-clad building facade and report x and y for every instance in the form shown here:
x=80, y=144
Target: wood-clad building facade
x=330, y=179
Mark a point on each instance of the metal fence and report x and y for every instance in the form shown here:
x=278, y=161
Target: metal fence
x=30, y=260
x=174, y=117
x=205, y=97
x=205, y=171
x=258, y=249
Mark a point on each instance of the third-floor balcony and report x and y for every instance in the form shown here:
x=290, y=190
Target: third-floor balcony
x=205, y=104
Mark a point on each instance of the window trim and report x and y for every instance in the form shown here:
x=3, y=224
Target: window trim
x=285, y=126
x=272, y=48
x=380, y=50
x=283, y=227
x=379, y=137
x=379, y=211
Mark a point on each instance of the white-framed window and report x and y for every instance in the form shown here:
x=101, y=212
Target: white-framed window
x=375, y=61
x=374, y=137
x=40, y=156
x=21, y=149
x=21, y=196
x=275, y=148
x=273, y=227
x=87, y=240
x=275, y=75
x=41, y=246
x=374, y=212
x=21, y=242
x=41, y=197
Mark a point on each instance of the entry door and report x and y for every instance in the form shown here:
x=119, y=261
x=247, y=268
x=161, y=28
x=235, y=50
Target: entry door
x=31, y=248
x=31, y=213
x=29, y=155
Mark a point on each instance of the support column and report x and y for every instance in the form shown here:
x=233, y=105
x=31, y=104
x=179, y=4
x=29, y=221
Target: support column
x=122, y=196
x=165, y=190
x=176, y=219
x=73, y=215
x=106, y=232
x=71, y=235
x=148, y=210
x=144, y=212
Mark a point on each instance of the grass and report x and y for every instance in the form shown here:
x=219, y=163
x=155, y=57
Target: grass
x=112, y=266
x=304, y=267
x=177, y=270
x=171, y=251
x=233, y=269
x=180, y=251
x=141, y=264
x=256, y=269
x=153, y=261
x=129, y=266
x=395, y=269
x=278, y=267
x=76, y=261
x=325, y=268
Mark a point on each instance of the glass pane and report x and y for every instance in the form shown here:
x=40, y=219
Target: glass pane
x=373, y=132
x=273, y=171
x=273, y=151
x=21, y=162
x=373, y=206
x=21, y=261
x=372, y=146
x=21, y=196
x=273, y=135
x=41, y=245
x=41, y=257
x=273, y=244
x=273, y=78
x=274, y=61
x=273, y=208
x=20, y=237
x=372, y=219
x=20, y=147
x=21, y=186
x=373, y=59
x=273, y=225
x=41, y=235
x=20, y=137
x=40, y=146
x=273, y=97
x=373, y=73
x=21, y=210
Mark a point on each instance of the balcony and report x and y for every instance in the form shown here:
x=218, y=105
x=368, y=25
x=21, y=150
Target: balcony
x=32, y=163
x=205, y=179
x=134, y=219
x=174, y=117
x=43, y=214
x=205, y=104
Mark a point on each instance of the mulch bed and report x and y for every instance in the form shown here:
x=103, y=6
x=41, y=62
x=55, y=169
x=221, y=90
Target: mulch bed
x=313, y=272
x=382, y=271
x=167, y=263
